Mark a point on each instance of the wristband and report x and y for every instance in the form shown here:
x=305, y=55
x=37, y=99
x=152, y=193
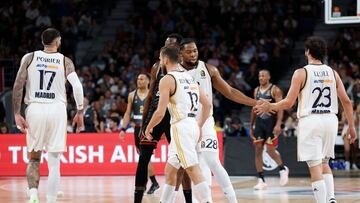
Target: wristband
x=123, y=129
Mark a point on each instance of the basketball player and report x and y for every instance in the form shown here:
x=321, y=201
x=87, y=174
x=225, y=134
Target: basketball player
x=135, y=107
x=44, y=73
x=180, y=93
x=267, y=130
x=317, y=87
x=207, y=76
x=147, y=146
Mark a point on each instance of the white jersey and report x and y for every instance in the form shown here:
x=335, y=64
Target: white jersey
x=319, y=95
x=184, y=102
x=203, y=78
x=46, y=78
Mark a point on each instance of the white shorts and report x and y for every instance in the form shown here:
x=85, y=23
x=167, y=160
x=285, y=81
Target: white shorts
x=184, y=139
x=47, y=127
x=209, y=141
x=316, y=137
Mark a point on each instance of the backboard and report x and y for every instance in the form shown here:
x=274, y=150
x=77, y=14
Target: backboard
x=342, y=11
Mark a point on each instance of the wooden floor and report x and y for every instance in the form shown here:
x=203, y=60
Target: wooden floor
x=120, y=189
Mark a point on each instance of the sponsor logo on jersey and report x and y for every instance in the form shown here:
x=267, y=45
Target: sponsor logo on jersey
x=323, y=81
x=46, y=66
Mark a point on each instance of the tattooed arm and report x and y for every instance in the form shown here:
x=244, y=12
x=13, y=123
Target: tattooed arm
x=18, y=91
x=77, y=91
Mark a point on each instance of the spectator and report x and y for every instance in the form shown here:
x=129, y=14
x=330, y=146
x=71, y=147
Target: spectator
x=4, y=128
x=89, y=117
x=112, y=125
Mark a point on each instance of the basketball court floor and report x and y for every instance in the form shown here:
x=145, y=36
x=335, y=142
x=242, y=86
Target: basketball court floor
x=106, y=189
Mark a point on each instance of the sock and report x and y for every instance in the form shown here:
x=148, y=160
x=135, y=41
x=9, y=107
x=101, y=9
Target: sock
x=173, y=197
x=281, y=167
x=167, y=193
x=329, y=183
x=261, y=176
x=319, y=190
x=230, y=194
x=204, y=190
x=138, y=195
x=53, y=177
x=33, y=192
x=153, y=180
x=188, y=196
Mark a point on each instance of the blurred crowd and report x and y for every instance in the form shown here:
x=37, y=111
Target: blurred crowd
x=22, y=21
x=238, y=37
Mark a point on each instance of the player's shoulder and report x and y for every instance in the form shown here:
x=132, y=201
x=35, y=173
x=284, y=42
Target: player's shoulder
x=27, y=58
x=211, y=69
x=301, y=71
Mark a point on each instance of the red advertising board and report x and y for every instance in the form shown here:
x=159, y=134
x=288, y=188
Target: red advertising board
x=87, y=154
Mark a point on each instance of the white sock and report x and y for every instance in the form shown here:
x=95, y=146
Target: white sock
x=230, y=194
x=205, y=168
x=33, y=192
x=204, y=191
x=329, y=183
x=167, y=193
x=319, y=189
x=54, y=176
x=173, y=197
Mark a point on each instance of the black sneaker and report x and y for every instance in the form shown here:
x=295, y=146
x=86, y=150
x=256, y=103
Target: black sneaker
x=153, y=188
x=332, y=200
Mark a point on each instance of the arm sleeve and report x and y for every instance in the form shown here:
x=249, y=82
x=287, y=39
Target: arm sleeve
x=77, y=90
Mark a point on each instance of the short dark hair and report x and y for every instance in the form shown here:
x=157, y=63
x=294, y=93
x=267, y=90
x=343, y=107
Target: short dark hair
x=186, y=41
x=265, y=70
x=146, y=74
x=177, y=36
x=49, y=35
x=317, y=47
x=172, y=52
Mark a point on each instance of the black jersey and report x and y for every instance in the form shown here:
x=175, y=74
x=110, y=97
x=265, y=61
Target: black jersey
x=267, y=95
x=155, y=99
x=137, y=109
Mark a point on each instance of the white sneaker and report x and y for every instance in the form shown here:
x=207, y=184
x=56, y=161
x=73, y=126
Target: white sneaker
x=284, y=176
x=347, y=166
x=354, y=167
x=260, y=185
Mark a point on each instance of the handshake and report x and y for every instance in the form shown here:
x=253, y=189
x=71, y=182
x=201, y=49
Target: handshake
x=263, y=107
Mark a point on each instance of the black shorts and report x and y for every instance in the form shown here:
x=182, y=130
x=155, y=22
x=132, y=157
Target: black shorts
x=162, y=128
x=263, y=131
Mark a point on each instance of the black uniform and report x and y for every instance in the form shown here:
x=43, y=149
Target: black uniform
x=164, y=125
x=137, y=112
x=264, y=124
x=147, y=146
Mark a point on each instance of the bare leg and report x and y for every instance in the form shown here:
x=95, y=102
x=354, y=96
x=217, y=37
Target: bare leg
x=33, y=173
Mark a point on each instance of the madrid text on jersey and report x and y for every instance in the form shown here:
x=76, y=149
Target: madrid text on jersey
x=45, y=95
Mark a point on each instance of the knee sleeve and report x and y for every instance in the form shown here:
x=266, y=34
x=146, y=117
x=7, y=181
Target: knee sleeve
x=54, y=176
x=313, y=163
x=220, y=174
x=205, y=169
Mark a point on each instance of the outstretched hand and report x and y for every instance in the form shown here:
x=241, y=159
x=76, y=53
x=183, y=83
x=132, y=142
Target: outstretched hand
x=263, y=106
